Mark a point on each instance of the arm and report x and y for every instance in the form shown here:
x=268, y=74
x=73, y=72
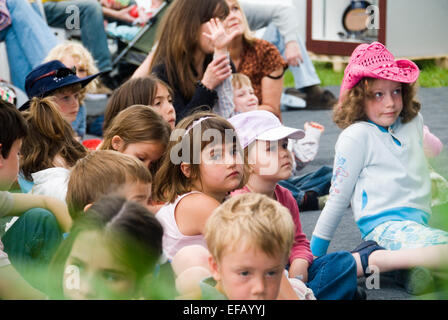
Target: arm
x=271, y=92
x=14, y=287
x=145, y=68
x=432, y=145
x=348, y=164
x=24, y=202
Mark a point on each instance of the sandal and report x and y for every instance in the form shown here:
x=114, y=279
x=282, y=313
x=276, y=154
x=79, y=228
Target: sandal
x=364, y=250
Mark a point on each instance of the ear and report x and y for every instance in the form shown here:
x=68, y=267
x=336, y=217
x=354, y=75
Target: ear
x=214, y=268
x=117, y=143
x=87, y=206
x=186, y=169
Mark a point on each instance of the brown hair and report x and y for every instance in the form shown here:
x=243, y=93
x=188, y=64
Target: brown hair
x=13, y=127
x=49, y=136
x=100, y=173
x=170, y=180
x=178, y=39
x=134, y=91
x=352, y=107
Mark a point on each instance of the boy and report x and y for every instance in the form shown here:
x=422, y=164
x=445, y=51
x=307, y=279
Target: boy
x=54, y=79
x=249, y=238
x=244, y=97
x=105, y=172
x=13, y=130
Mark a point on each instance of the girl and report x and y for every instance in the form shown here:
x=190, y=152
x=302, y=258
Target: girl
x=184, y=54
x=258, y=59
x=265, y=143
x=128, y=244
x=75, y=55
x=49, y=150
x=138, y=131
x=148, y=91
x=196, y=169
x=380, y=167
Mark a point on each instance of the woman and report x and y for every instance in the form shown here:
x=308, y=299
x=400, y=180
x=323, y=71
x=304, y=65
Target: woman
x=184, y=55
x=258, y=59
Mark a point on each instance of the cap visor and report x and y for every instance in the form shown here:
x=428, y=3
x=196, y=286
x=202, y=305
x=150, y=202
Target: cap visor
x=281, y=133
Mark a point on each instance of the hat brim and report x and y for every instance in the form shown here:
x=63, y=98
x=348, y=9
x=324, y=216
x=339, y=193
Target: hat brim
x=282, y=132
x=83, y=81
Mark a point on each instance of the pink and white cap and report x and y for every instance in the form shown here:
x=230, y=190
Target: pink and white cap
x=261, y=125
x=375, y=61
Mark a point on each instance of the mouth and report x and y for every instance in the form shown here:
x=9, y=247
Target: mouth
x=233, y=174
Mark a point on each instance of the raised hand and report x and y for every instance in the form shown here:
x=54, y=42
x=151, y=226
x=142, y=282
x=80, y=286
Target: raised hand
x=219, y=36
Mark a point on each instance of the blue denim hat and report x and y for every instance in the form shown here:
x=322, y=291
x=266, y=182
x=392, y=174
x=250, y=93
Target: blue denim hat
x=47, y=77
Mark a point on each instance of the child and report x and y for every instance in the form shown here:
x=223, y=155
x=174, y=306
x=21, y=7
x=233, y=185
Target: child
x=196, y=169
x=75, y=55
x=50, y=150
x=244, y=96
x=148, y=91
x=249, y=237
x=13, y=130
x=139, y=131
x=110, y=253
x=265, y=142
x=389, y=194
x=104, y=172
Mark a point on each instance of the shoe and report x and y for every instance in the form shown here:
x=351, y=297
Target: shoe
x=319, y=99
x=415, y=281
x=360, y=294
x=364, y=250
x=309, y=201
x=321, y=201
x=295, y=92
x=292, y=102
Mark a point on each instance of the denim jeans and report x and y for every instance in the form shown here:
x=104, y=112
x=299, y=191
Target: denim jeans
x=28, y=40
x=31, y=243
x=333, y=276
x=80, y=123
x=305, y=74
x=318, y=181
x=93, y=36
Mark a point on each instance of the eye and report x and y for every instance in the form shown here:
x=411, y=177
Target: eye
x=111, y=276
x=397, y=91
x=158, y=102
x=378, y=95
x=244, y=273
x=285, y=145
x=272, y=273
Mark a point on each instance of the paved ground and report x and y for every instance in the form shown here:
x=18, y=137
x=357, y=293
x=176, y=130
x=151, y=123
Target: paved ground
x=435, y=112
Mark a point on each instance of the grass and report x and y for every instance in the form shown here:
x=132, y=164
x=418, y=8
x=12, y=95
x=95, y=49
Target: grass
x=431, y=76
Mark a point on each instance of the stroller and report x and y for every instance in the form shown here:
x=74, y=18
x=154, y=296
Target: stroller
x=130, y=54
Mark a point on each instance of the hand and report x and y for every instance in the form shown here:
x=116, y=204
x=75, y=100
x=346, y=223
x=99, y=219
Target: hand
x=293, y=54
x=217, y=71
x=299, y=267
x=218, y=35
x=125, y=15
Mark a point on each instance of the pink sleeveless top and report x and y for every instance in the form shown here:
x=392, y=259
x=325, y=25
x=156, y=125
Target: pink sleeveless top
x=173, y=240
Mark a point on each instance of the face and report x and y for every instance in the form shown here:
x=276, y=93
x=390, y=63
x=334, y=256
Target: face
x=221, y=169
x=70, y=62
x=9, y=167
x=271, y=160
x=92, y=272
x=245, y=99
x=67, y=103
x=136, y=191
x=386, y=103
x=147, y=152
x=235, y=18
x=248, y=274
x=163, y=105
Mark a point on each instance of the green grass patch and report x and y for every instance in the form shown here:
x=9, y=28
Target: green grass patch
x=431, y=76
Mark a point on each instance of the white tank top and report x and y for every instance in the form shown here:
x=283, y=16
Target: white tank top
x=173, y=240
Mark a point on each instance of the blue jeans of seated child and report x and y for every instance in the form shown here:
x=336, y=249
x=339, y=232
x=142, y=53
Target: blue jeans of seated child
x=93, y=36
x=333, y=276
x=28, y=40
x=305, y=74
x=31, y=243
x=318, y=181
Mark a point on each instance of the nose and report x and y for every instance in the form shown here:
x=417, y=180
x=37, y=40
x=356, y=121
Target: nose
x=388, y=100
x=86, y=288
x=258, y=287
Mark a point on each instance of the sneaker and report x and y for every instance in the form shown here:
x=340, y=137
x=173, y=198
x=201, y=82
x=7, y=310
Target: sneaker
x=292, y=102
x=415, y=281
x=295, y=92
x=321, y=201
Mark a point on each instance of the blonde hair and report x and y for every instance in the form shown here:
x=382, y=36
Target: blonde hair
x=253, y=220
x=170, y=180
x=100, y=173
x=78, y=52
x=49, y=136
x=248, y=35
x=352, y=107
x=239, y=80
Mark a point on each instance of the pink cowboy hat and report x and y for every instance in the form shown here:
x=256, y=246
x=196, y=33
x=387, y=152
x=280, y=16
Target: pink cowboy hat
x=375, y=61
